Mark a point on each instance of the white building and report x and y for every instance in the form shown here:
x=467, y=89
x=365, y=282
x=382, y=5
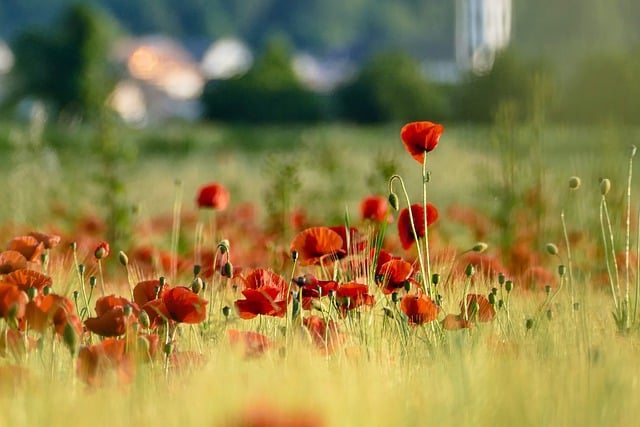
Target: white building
x=483, y=27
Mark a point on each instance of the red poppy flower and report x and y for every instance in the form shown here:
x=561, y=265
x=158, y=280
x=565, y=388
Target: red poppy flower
x=453, y=322
x=261, y=414
x=102, y=250
x=357, y=243
x=25, y=279
x=148, y=290
x=317, y=243
x=261, y=301
x=420, y=138
x=485, y=311
x=374, y=208
x=28, y=246
x=12, y=302
x=325, y=335
x=184, y=306
x=252, y=344
x=48, y=240
x=383, y=258
x=352, y=295
x=405, y=230
x=111, y=320
x=260, y=277
x=213, y=196
x=11, y=261
x=419, y=308
x=311, y=289
x=52, y=310
x=98, y=362
x=394, y=275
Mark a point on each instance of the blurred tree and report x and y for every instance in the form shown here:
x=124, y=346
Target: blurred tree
x=268, y=92
x=390, y=86
x=67, y=66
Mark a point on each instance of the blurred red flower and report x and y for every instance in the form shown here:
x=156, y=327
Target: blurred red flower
x=394, y=274
x=52, y=309
x=265, y=293
x=352, y=295
x=374, y=208
x=96, y=363
x=252, y=344
x=405, y=230
x=111, y=319
x=311, y=289
x=184, y=306
x=25, y=279
x=420, y=138
x=419, y=308
x=317, y=243
x=102, y=250
x=478, y=307
x=28, y=246
x=13, y=302
x=325, y=335
x=213, y=196
x=148, y=290
x=48, y=240
x=11, y=261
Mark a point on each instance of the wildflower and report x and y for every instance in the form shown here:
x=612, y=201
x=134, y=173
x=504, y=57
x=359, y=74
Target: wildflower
x=12, y=302
x=28, y=246
x=352, y=295
x=374, y=208
x=184, y=306
x=477, y=307
x=55, y=310
x=405, y=229
x=264, y=294
x=251, y=343
x=419, y=308
x=213, y=196
x=420, y=138
x=25, y=279
x=111, y=318
x=11, y=261
x=101, y=251
x=148, y=290
x=49, y=241
x=316, y=244
x=324, y=334
x=97, y=362
x=395, y=273
x=311, y=289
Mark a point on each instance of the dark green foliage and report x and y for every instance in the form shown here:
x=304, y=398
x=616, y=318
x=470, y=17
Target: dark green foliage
x=605, y=88
x=512, y=81
x=269, y=92
x=67, y=66
x=390, y=87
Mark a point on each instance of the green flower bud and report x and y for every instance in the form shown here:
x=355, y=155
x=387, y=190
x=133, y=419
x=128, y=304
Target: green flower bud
x=529, y=323
x=394, y=202
x=605, y=186
x=227, y=270
x=551, y=248
x=226, y=311
x=480, y=247
x=508, y=285
x=574, y=183
x=196, y=285
x=435, y=278
x=469, y=270
x=144, y=320
x=123, y=258
x=196, y=269
x=562, y=269
x=224, y=246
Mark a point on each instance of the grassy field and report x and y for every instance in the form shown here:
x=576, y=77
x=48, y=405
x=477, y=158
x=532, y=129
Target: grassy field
x=549, y=356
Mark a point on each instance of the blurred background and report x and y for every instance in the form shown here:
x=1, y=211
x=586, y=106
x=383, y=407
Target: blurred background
x=283, y=61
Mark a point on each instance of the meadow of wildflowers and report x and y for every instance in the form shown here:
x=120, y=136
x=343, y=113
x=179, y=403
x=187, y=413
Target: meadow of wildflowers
x=422, y=284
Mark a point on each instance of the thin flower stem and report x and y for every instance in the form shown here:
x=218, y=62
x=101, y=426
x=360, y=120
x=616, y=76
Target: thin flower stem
x=175, y=230
x=425, y=181
x=104, y=292
x=413, y=229
x=604, y=216
x=628, y=237
x=637, y=281
x=569, y=258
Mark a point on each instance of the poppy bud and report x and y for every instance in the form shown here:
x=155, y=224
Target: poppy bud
x=123, y=258
x=81, y=269
x=576, y=306
x=294, y=255
x=501, y=279
x=161, y=281
x=529, y=323
x=435, y=278
x=494, y=291
x=492, y=298
x=480, y=247
x=574, y=183
x=551, y=248
x=227, y=270
x=44, y=257
x=395, y=297
x=127, y=310
x=223, y=246
x=32, y=292
x=92, y=281
x=394, y=201
x=168, y=348
x=295, y=308
x=407, y=285
x=388, y=312
x=46, y=290
x=70, y=338
x=562, y=269
x=605, y=186
x=549, y=314
x=144, y=320
x=74, y=246
x=75, y=297
x=226, y=311
x=102, y=250
x=196, y=269
x=196, y=285
x=508, y=285
x=500, y=303
x=470, y=270
x=547, y=289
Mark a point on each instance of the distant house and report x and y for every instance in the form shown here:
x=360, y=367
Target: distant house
x=483, y=28
x=162, y=80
